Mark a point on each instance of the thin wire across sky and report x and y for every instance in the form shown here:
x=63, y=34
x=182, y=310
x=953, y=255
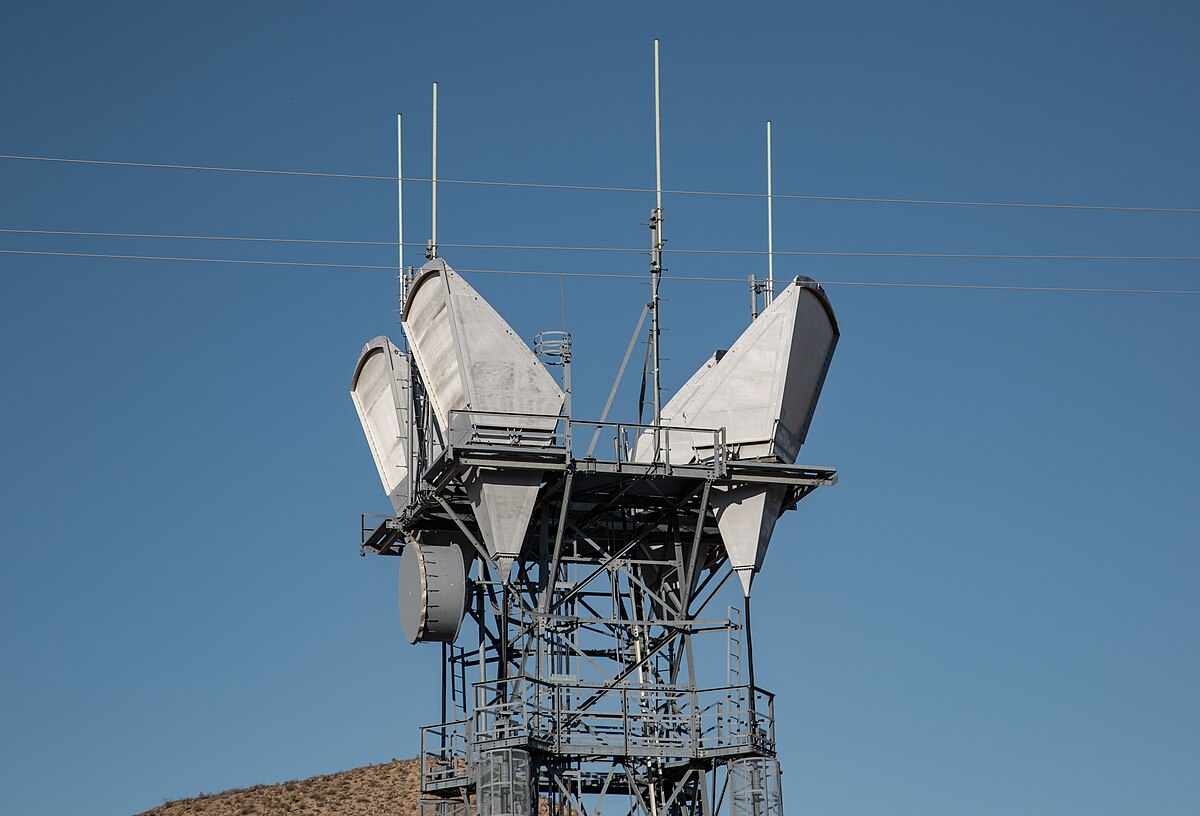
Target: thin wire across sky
x=609, y=189
x=601, y=249
x=609, y=275
x=637, y=250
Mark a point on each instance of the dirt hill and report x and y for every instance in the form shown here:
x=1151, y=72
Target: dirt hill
x=375, y=790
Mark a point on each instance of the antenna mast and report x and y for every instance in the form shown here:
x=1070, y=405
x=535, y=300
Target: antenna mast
x=400, y=208
x=770, y=293
x=656, y=241
x=432, y=248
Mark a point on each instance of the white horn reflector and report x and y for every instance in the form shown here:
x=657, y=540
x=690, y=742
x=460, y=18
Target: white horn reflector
x=763, y=392
x=472, y=362
x=380, y=393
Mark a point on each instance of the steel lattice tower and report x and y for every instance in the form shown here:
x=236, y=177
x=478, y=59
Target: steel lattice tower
x=596, y=674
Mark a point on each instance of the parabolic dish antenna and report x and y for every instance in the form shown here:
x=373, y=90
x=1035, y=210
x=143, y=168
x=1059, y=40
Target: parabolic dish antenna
x=433, y=592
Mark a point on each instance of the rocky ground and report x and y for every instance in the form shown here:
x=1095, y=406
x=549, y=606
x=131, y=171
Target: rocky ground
x=389, y=789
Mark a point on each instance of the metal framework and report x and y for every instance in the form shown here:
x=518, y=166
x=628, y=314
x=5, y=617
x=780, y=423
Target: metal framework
x=598, y=677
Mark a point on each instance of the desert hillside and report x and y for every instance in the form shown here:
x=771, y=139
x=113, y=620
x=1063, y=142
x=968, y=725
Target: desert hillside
x=375, y=790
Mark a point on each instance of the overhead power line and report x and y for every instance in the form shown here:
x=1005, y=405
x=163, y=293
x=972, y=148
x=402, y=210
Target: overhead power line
x=639, y=250
x=249, y=239
x=200, y=260
x=611, y=189
x=609, y=275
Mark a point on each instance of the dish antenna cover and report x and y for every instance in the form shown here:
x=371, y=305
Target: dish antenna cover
x=380, y=390
x=433, y=592
x=472, y=361
x=763, y=391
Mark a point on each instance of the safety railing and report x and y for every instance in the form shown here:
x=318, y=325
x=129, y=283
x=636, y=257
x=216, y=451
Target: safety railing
x=627, y=720
x=472, y=427
x=445, y=753
x=514, y=710
x=628, y=442
x=636, y=443
x=736, y=717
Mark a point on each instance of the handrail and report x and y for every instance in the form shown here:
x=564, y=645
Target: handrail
x=596, y=685
x=557, y=431
x=630, y=718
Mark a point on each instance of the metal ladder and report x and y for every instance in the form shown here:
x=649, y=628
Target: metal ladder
x=733, y=664
x=458, y=681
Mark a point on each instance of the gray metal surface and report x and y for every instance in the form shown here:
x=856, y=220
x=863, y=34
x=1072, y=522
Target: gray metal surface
x=380, y=390
x=502, y=501
x=433, y=592
x=746, y=516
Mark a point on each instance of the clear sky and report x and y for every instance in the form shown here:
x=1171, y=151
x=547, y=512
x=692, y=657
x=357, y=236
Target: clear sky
x=995, y=612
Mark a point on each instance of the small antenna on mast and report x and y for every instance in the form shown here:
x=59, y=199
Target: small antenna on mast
x=656, y=240
x=770, y=293
x=432, y=248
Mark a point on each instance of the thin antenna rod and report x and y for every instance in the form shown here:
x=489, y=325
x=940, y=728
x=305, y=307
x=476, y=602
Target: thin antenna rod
x=656, y=241
x=411, y=430
x=432, y=249
x=400, y=192
x=770, y=295
x=657, y=135
x=400, y=236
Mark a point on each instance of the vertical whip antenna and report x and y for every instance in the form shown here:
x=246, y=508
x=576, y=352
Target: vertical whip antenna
x=656, y=240
x=400, y=207
x=431, y=250
x=770, y=295
x=657, y=134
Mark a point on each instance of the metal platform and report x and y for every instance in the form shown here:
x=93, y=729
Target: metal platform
x=594, y=485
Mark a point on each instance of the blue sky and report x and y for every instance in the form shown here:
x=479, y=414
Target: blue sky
x=994, y=612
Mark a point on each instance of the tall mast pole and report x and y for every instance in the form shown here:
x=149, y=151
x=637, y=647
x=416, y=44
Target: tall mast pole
x=656, y=246
x=431, y=250
x=770, y=295
x=656, y=240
